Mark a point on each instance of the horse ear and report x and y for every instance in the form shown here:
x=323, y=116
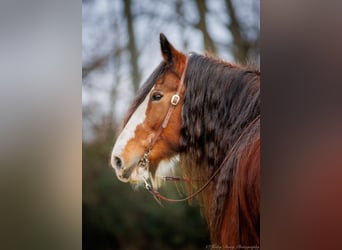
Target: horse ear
x=169, y=53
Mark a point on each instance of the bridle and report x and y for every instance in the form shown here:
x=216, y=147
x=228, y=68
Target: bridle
x=144, y=162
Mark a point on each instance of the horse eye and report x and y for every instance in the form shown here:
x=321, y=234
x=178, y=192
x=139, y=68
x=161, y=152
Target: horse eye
x=156, y=97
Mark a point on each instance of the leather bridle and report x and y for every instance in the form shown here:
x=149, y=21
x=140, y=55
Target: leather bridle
x=144, y=162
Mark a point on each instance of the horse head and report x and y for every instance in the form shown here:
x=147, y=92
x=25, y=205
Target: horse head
x=146, y=144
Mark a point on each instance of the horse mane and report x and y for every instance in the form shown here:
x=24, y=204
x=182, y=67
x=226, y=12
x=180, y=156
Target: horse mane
x=221, y=100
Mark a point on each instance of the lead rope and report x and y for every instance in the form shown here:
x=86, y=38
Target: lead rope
x=158, y=197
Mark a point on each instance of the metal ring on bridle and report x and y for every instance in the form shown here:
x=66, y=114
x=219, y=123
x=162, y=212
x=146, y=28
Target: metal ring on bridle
x=147, y=186
x=175, y=99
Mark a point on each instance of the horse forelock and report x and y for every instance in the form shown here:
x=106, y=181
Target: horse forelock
x=220, y=101
x=144, y=90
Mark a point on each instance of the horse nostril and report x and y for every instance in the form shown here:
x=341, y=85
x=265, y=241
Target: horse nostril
x=118, y=162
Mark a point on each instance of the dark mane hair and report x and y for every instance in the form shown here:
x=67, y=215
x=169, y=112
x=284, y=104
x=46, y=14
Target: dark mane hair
x=221, y=100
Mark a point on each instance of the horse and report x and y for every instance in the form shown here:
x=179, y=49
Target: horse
x=204, y=114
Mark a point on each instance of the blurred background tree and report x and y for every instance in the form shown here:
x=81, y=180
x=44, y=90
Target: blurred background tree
x=120, y=41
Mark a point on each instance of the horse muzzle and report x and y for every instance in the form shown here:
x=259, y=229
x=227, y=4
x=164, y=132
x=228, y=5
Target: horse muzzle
x=124, y=175
x=132, y=173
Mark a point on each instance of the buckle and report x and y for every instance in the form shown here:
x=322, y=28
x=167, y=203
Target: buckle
x=175, y=99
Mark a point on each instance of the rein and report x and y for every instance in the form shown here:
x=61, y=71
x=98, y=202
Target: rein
x=157, y=196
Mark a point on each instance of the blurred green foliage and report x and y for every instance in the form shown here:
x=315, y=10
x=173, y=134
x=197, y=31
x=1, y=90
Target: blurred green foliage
x=116, y=216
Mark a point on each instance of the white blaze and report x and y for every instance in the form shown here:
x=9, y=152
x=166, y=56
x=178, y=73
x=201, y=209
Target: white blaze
x=128, y=132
